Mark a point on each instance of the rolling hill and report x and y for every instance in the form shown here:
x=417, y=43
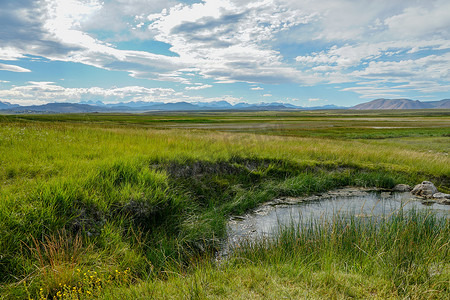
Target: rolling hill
x=402, y=104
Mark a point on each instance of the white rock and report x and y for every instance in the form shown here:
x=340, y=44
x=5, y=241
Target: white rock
x=441, y=196
x=425, y=189
x=402, y=188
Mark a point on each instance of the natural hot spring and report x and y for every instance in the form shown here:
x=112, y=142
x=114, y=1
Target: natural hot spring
x=266, y=220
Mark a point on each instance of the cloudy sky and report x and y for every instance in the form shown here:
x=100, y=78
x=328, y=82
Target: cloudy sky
x=304, y=52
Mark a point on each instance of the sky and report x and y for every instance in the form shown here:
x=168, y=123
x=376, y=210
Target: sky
x=303, y=52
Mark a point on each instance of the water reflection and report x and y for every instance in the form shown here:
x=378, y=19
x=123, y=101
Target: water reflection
x=265, y=221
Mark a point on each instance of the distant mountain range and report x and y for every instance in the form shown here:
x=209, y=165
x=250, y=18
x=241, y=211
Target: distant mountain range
x=142, y=107
x=7, y=105
x=402, y=104
x=49, y=108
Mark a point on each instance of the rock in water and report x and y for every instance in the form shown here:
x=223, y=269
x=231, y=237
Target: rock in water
x=442, y=198
x=425, y=189
x=402, y=188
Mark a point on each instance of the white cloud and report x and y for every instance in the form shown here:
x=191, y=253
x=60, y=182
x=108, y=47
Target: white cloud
x=13, y=68
x=371, y=92
x=384, y=60
x=228, y=98
x=428, y=67
x=59, y=36
x=396, y=88
x=343, y=20
x=388, y=40
x=228, y=41
x=9, y=53
x=425, y=87
x=257, y=88
x=429, y=18
x=267, y=95
x=344, y=57
x=124, y=19
x=199, y=87
x=50, y=92
x=47, y=92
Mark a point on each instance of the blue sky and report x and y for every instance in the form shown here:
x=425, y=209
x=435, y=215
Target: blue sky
x=302, y=52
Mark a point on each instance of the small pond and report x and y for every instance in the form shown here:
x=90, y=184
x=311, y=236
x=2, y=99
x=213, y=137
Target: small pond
x=268, y=218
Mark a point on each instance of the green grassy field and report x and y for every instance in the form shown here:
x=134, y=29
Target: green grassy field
x=143, y=200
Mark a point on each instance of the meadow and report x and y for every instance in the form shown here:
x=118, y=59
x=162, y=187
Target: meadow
x=130, y=206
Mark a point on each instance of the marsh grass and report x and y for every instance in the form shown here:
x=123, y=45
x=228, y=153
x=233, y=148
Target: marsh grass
x=397, y=256
x=408, y=250
x=110, y=192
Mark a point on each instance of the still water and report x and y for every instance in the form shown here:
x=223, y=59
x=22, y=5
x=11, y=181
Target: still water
x=268, y=219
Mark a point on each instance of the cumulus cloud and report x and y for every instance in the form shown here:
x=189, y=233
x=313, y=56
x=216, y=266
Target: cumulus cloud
x=221, y=39
x=123, y=19
x=257, y=88
x=50, y=92
x=41, y=92
x=52, y=29
x=23, y=32
x=228, y=41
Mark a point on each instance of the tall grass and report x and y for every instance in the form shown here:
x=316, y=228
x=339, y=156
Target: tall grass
x=409, y=250
x=401, y=256
x=156, y=200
